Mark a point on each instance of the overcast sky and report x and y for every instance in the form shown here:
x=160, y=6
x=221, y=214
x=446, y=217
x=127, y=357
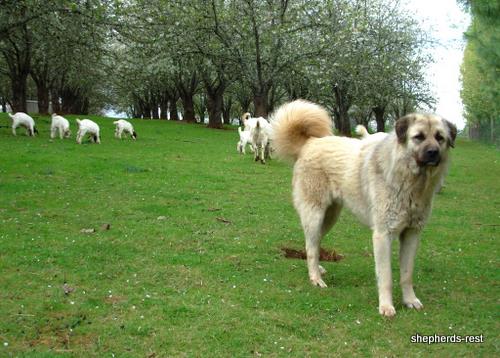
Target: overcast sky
x=446, y=22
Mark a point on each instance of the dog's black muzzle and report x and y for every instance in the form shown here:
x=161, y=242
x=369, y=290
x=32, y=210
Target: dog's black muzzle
x=431, y=157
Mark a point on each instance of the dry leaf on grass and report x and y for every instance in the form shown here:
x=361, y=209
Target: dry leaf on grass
x=224, y=220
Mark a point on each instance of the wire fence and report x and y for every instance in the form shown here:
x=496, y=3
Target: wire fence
x=488, y=132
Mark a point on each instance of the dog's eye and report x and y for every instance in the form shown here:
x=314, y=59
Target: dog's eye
x=419, y=137
x=439, y=137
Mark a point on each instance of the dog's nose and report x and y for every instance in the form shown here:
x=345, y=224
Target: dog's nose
x=432, y=153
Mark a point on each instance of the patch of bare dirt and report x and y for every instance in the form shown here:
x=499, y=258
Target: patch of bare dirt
x=324, y=255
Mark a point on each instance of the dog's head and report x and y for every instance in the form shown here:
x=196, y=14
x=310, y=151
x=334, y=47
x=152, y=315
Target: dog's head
x=134, y=135
x=67, y=133
x=427, y=137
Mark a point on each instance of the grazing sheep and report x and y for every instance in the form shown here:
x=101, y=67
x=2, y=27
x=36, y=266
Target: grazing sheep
x=124, y=126
x=22, y=119
x=259, y=135
x=60, y=124
x=86, y=126
x=244, y=140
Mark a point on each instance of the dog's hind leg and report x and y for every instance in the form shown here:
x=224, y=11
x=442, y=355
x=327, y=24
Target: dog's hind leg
x=312, y=219
x=331, y=215
x=408, y=244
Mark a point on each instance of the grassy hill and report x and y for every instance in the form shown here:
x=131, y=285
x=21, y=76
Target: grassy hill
x=171, y=246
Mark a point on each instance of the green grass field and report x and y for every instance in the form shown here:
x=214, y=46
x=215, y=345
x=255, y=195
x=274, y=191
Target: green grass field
x=192, y=265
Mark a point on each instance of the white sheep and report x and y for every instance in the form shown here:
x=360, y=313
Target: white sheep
x=124, y=126
x=61, y=124
x=244, y=140
x=22, y=119
x=260, y=136
x=86, y=126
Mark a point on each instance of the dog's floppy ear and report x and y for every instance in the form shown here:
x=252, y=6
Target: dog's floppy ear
x=453, y=133
x=401, y=127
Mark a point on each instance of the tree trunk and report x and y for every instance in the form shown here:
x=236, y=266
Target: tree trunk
x=56, y=104
x=260, y=104
x=201, y=107
x=214, y=106
x=146, y=111
x=42, y=94
x=174, y=114
x=163, y=109
x=154, y=110
x=188, y=105
x=4, y=104
x=19, y=86
x=379, y=118
x=227, y=103
x=342, y=104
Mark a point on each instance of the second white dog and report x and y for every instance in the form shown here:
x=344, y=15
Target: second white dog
x=86, y=126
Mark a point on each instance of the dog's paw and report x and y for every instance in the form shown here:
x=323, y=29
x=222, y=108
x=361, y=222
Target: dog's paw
x=387, y=310
x=318, y=282
x=322, y=270
x=415, y=303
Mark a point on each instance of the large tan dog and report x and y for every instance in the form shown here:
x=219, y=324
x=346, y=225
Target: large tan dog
x=388, y=183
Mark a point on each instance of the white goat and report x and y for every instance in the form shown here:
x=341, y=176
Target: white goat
x=61, y=124
x=124, y=126
x=22, y=119
x=86, y=126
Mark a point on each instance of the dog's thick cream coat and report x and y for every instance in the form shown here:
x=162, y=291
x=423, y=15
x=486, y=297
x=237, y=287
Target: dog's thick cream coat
x=381, y=180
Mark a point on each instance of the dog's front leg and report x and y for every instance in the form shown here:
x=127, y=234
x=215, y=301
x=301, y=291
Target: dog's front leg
x=382, y=253
x=408, y=241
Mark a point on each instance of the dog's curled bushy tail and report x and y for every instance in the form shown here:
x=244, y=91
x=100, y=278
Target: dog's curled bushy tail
x=361, y=131
x=294, y=123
